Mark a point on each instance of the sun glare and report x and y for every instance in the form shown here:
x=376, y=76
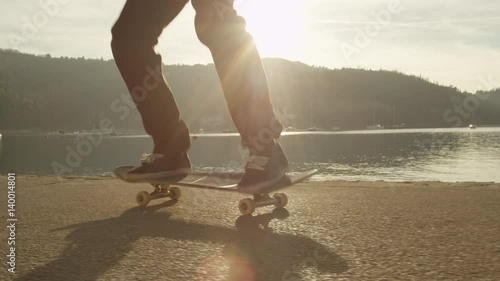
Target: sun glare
x=276, y=25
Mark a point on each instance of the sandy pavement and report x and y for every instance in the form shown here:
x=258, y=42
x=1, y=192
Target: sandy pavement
x=89, y=228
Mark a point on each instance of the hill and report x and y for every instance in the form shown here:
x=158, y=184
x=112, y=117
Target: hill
x=45, y=93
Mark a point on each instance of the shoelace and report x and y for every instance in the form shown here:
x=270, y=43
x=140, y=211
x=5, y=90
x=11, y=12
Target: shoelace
x=257, y=162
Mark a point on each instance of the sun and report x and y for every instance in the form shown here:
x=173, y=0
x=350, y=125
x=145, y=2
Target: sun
x=276, y=25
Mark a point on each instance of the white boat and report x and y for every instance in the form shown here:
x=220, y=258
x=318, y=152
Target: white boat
x=76, y=135
x=375, y=127
x=56, y=134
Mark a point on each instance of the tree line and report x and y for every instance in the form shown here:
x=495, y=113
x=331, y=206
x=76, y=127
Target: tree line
x=46, y=93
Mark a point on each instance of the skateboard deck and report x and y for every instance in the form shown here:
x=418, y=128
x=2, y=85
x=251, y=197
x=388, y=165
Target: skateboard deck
x=217, y=180
x=169, y=187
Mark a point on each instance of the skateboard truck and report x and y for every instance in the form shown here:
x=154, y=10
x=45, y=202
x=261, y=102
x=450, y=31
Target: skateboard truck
x=248, y=205
x=161, y=191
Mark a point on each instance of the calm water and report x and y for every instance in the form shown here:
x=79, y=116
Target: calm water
x=448, y=155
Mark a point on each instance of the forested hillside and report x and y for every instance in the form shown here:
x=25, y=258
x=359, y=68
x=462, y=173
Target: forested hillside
x=44, y=93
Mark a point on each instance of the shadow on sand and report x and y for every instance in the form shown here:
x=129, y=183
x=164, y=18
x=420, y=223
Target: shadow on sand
x=96, y=246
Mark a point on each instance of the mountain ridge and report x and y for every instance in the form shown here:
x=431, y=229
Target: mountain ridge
x=45, y=93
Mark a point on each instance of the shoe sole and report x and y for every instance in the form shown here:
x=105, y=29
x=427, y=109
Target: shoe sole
x=175, y=175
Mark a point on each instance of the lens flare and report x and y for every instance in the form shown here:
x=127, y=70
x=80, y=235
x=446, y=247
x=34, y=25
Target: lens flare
x=276, y=25
x=230, y=266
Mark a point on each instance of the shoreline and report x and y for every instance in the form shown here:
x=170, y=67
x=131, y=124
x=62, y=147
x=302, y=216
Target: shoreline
x=332, y=183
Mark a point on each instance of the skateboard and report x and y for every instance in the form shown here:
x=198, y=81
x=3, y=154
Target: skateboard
x=169, y=187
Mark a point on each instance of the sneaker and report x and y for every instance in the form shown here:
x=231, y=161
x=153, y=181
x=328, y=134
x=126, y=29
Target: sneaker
x=264, y=168
x=156, y=166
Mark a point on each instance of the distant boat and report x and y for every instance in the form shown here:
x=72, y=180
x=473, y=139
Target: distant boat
x=76, y=135
x=56, y=134
x=313, y=129
x=473, y=126
x=400, y=126
x=375, y=127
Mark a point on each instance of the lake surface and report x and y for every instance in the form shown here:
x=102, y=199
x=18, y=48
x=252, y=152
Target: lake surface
x=448, y=155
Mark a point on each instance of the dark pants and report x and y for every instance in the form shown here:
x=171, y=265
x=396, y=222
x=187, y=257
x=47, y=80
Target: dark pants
x=235, y=56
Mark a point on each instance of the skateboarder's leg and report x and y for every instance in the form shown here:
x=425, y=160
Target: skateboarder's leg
x=244, y=83
x=239, y=66
x=135, y=34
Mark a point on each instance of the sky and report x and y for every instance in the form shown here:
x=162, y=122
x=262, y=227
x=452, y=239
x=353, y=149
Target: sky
x=452, y=42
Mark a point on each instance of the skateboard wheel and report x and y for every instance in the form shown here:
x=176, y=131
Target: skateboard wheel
x=142, y=198
x=281, y=199
x=246, y=206
x=175, y=192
